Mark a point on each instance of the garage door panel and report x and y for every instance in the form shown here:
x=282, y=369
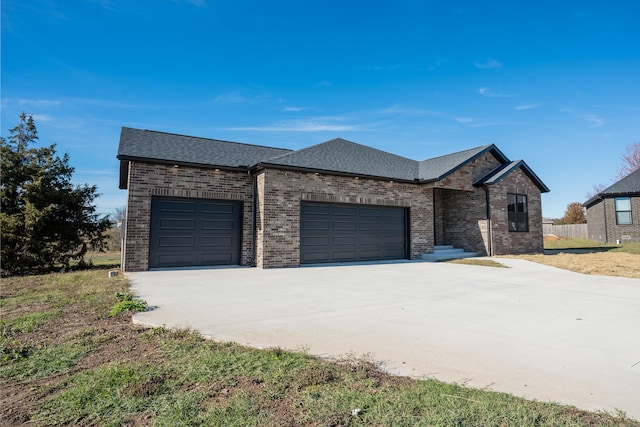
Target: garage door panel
x=315, y=210
x=339, y=225
x=344, y=211
x=175, y=241
x=353, y=232
x=177, y=224
x=176, y=206
x=175, y=260
x=215, y=258
x=212, y=224
x=315, y=225
x=315, y=241
x=194, y=232
x=217, y=209
x=215, y=241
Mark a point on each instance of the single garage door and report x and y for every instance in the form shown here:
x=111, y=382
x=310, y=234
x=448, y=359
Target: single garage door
x=343, y=233
x=194, y=232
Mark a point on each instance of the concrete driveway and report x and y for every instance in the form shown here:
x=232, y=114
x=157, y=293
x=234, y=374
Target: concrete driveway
x=530, y=330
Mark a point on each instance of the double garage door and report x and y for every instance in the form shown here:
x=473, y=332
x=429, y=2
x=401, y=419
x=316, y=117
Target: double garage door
x=197, y=232
x=194, y=232
x=345, y=233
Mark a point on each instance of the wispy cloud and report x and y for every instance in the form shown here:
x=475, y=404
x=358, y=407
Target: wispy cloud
x=399, y=109
x=463, y=119
x=594, y=120
x=526, y=107
x=324, y=83
x=488, y=64
x=199, y=3
x=293, y=108
x=387, y=68
x=39, y=103
x=318, y=124
x=230, y=98
x=485, y=91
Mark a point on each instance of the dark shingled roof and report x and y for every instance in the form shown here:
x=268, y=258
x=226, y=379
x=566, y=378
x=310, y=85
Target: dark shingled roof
x=504, y=170
x=627, y=186
x=340, y=155
x=136, y=144
x=337, y=156
x=439, y=167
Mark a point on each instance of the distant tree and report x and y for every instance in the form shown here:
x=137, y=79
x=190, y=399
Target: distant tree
x=46, y=221
x=574, y=214
x=630, y=161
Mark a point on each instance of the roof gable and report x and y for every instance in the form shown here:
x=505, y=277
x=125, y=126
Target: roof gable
x=340, y=155
x=501, y=172
x=438, y=168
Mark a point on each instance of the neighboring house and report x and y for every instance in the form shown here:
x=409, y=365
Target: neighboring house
x=203, y=202
x=613, y=215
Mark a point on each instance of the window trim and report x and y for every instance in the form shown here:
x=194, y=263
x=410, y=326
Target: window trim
x=619, y=211
x=517, y=221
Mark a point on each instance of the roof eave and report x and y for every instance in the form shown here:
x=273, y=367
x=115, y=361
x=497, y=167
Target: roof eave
x=239, y=168
x=265, y=165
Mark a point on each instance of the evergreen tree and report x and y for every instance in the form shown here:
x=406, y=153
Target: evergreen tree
x=46, y=221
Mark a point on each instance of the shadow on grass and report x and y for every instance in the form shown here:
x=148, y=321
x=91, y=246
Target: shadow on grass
x=592, y=250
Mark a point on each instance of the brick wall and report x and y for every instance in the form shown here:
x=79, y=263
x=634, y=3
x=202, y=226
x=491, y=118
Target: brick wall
x=151, y=180
x=595, y=223
x=624, y=233
x=461, y=211
x=281, y=192
x=505, y=242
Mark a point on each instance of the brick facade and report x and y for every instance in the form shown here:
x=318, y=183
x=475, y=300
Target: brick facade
x=451, y=211
x=461, y=208
x=503, y=241
x=281, y=193
x=601, y=222
x=148, y=180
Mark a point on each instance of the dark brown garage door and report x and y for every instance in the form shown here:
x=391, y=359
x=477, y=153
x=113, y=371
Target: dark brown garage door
x=194, y=232
x=345, y=233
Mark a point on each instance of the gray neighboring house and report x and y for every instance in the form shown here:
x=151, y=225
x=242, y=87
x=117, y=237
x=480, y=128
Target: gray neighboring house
x=204, y=202
x=613, y=215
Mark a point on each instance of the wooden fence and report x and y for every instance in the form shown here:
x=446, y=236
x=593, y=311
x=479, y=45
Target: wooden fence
x=567, y=231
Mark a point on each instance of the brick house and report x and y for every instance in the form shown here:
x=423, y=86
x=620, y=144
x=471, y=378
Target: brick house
x=202, y=202
x=613, y=215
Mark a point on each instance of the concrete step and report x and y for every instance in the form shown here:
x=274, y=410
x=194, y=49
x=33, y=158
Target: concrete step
x=447, y=252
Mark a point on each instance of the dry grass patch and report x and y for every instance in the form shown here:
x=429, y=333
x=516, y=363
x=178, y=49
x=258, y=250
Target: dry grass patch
x=599, y=263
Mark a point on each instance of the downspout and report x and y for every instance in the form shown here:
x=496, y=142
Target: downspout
x=489, y=246
x=255, y=217
x=606, y=226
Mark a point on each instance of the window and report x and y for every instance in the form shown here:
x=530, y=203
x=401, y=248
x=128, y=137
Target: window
x=623, y=210
x=518, y=212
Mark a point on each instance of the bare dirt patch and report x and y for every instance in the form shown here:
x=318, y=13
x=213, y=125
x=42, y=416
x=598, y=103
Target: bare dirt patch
x=590, y=261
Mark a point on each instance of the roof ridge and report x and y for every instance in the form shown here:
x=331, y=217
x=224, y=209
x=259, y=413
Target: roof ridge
x=205, y=138
x=483, y=147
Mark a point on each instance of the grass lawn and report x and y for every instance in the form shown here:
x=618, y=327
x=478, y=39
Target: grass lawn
x=589, y=257
x=66, y=361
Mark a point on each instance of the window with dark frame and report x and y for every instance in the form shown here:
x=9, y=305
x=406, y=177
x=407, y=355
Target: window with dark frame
x=518, y=212
x=623, y=210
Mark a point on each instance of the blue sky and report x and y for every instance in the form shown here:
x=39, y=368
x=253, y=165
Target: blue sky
x=554, y=83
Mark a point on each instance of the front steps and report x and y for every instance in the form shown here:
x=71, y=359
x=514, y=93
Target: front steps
x=447, y=252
